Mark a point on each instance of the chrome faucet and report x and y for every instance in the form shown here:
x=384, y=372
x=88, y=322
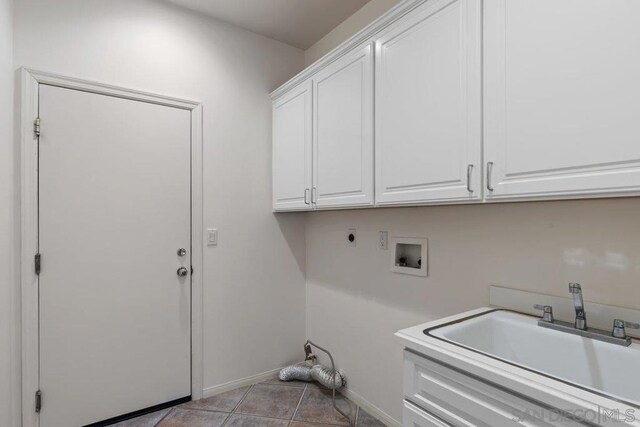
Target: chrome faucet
x=578, y=304
x=617, y=335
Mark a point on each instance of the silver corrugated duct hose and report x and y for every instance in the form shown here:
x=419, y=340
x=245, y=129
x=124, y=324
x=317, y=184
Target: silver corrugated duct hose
x=333, y=380
x=295, y=372
x=328, y=377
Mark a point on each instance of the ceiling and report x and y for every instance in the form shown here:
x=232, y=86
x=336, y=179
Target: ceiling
x=299, y=23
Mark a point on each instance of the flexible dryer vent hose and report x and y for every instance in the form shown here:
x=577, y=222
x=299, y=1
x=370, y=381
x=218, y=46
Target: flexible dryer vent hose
x=318, y=373
x=331, y=378
x=295, y=372
x=325, y=376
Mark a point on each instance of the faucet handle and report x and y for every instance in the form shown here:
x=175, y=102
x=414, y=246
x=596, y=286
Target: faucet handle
x=574, y=288
x=547, y=310
x=619, y=328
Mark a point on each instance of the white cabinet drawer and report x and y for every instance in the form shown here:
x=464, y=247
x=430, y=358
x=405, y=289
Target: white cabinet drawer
x=462, y=400
x=412, y=416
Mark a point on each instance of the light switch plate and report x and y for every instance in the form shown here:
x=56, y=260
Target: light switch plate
x=212, y=237
x=383, y=240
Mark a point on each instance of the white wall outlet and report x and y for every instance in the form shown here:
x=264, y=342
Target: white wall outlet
x=212, y=237
x=351, y=237
x=383, y=240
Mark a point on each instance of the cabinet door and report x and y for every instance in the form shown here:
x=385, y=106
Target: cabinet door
x=562, y=98
x=343, y=132
x=292, y=150
x=428, y=106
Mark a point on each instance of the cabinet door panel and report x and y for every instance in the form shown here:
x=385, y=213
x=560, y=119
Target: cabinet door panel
x=428, y=86
x=412, y=416
x=343, y=132
x=562, y=97
x=292, y=149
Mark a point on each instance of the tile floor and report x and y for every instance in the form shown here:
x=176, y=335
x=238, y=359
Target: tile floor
x=269, y=404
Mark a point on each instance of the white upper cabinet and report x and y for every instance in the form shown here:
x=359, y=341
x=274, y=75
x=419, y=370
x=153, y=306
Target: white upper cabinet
x=562, y=98
x=292, y=155
x=552, y=84
x=343, y=132
x=428, y=106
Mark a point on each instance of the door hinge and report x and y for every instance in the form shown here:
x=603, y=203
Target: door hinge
x=38, y=401
x=36, y=127
x=192, y=270
x=36, y=262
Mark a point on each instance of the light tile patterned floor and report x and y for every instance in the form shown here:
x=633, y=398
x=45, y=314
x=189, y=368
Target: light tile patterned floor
x=269, y=404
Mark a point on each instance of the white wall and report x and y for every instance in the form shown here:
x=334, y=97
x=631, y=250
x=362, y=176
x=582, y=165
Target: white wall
x=363, y=17
x=355, y=304
x=254, y=279
x=6, y=212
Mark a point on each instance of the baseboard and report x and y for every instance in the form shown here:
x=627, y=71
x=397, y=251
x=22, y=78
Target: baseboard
x=370, y=408
x=254, y=379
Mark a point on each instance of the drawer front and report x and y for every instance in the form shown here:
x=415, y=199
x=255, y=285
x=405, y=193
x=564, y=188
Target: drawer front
x=463, y=400
x=412, y=416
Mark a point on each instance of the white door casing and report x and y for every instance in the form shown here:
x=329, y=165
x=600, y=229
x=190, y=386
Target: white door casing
x=292, y=149
x=343, y=131
x=77, y=249
x=428, y=106
x=562, y=97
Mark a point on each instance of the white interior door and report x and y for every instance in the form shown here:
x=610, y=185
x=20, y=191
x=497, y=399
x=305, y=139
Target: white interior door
x=114, y=208
x=343, y=132
x=428, y=106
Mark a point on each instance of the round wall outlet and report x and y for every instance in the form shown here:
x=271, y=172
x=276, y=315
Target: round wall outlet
x=351, y=237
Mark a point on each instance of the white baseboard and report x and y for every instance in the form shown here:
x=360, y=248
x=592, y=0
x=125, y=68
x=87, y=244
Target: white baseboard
x=370, y=408
x=232, y=385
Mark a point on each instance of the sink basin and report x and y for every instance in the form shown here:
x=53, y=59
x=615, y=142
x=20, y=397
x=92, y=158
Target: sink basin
x=599, y=367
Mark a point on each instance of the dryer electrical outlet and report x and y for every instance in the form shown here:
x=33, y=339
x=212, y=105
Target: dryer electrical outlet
x=351, y=237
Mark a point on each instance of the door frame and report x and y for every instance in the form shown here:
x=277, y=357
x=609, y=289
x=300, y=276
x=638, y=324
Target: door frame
x=28, y=111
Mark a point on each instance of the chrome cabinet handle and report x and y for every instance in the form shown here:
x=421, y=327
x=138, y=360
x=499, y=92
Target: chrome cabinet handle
x=489, y=173
x=306, y=196
x=182, y=272
x=314, y=195
x=469, y=172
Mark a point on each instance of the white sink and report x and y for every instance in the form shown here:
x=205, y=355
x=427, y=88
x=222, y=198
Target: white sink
x=603, y=368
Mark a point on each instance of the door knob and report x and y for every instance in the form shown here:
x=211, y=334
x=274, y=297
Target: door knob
x=182, y=252
x=182, y=272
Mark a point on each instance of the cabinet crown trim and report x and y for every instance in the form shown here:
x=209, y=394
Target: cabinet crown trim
x=361, y=37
